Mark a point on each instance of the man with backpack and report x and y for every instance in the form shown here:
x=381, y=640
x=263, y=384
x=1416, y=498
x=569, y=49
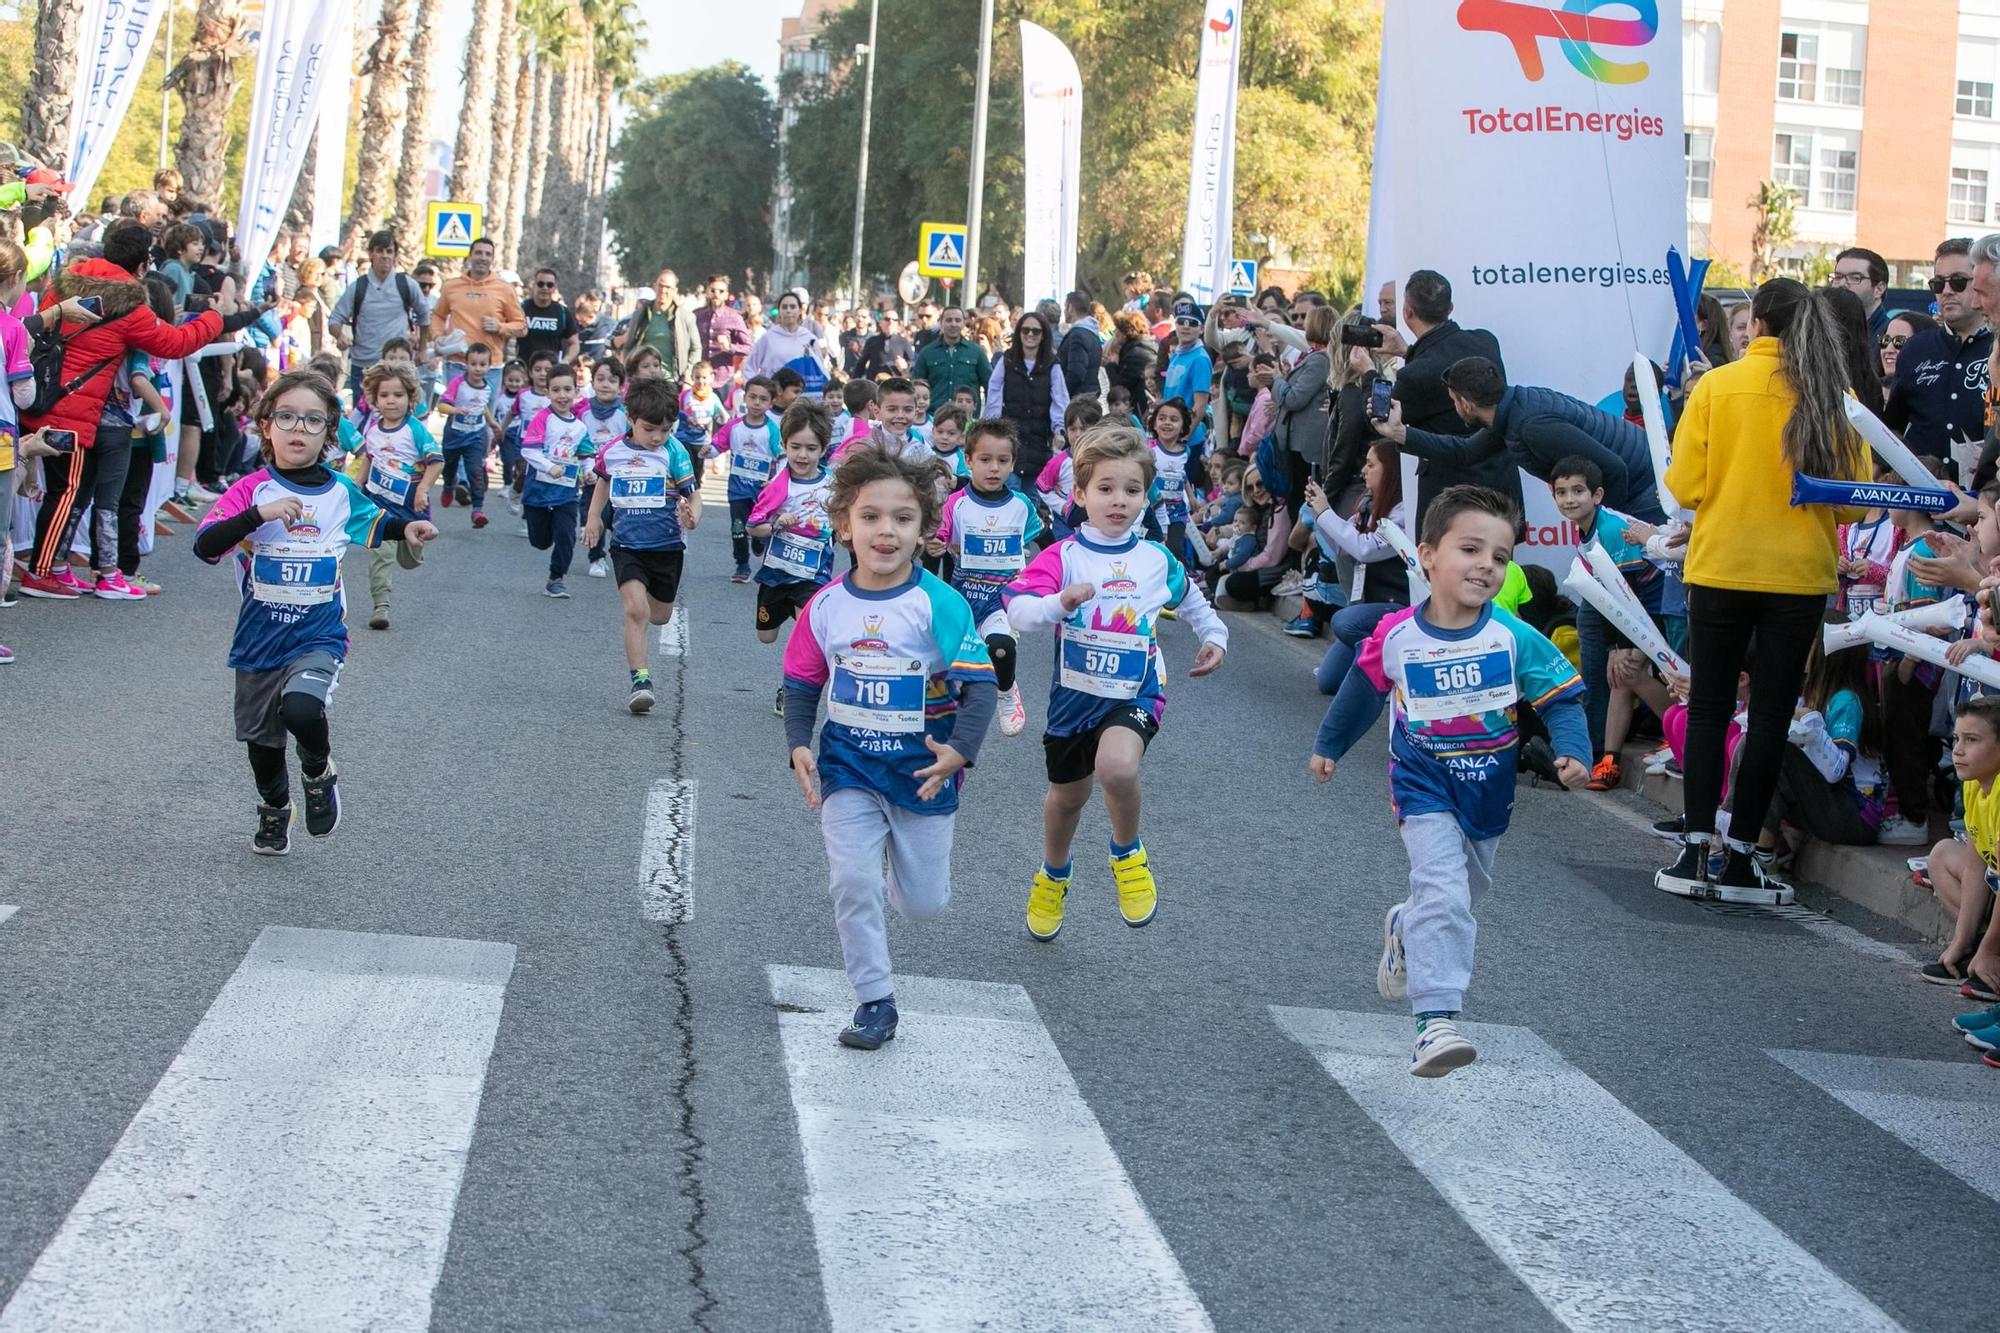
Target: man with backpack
x=381, y=304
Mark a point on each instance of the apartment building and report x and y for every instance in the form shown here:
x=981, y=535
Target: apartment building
x=1879, y=114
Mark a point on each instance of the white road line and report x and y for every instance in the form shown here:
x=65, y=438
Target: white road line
x=298, y=1164
x=6, y=911
x=957, y=1179
x=1607, y=1223
x=666, y=853
x=1943, y=1110
x=674, y=635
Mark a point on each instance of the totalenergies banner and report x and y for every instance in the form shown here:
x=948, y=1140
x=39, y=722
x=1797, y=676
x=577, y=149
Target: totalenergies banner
x=1052, y=142
x=1205, y=240
x=1532, y=154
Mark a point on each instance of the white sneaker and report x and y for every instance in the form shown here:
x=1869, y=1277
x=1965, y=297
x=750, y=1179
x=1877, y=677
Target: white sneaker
x=513, y=504
x=1897, y=831
x=1392, y=975
x=1440, y=1048
x=600, y=569
x=1013, y=717
x=200, y=494
x=1291, y=585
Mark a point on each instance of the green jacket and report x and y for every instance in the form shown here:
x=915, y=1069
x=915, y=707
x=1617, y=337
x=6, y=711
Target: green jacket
x=949, y=369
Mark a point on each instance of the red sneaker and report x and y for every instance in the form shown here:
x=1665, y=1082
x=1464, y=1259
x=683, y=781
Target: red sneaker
x=1604, y=776
x=444, y=497
x=478, y=518
x=54, y=589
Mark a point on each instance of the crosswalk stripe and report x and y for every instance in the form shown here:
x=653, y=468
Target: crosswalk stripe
x=666, y=853
x=1607, y=1222
x=299, y=1162
x=6, y=911
x=957, y=1178
x=674, y=636
x=1942, y=1109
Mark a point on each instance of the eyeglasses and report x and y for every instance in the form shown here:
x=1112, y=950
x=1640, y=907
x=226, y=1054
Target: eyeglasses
x=544, y=284
x=1860, y=279
x=427, y=287
x=1892, y=340
x=308, y=423
x=1958, y=282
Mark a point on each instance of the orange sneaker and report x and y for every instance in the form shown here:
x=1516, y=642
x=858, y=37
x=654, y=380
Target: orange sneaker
x=1605, y=775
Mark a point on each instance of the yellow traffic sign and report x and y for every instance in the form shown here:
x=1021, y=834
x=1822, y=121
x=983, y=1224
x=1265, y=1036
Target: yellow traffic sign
x=450, y=228
x=941, y=250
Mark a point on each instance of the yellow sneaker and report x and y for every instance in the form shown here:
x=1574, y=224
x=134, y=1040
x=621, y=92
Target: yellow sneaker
x=1138, y=895
x=1045, y=905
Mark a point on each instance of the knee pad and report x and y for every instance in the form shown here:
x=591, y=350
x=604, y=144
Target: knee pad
x=299, y=709
x=1000, y=648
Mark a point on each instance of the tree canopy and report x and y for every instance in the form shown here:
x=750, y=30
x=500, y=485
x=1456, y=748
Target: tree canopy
x=1305, y=127
x=697, y=163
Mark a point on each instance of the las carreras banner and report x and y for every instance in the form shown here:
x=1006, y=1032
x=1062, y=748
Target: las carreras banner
x=1532, y=153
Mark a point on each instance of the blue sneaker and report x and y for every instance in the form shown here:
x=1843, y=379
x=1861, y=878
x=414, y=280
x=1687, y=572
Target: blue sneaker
x=1977, y=1019
x=1304, y=627
x=555, y=589
x=874, y=1023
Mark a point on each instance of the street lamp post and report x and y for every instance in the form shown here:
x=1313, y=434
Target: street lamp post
x=861, y=173
x=976, y=191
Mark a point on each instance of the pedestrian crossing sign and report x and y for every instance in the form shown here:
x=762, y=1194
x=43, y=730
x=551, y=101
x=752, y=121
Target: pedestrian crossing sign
x=451, y=228
x=1243, y=277
x=941, y=250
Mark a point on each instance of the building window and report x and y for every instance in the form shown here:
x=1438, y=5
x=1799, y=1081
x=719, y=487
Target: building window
x=1700, y=148
x=1968, y=194
x=1701, y=57
x=1837, y=173
x=1842, y=87
x=1975, y=99
x=1791, y=163
x=1798, y=67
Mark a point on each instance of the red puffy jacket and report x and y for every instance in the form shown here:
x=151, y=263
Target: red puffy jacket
x=127, y=323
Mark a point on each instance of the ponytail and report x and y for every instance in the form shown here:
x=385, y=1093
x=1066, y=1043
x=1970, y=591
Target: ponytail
x=1819, y=442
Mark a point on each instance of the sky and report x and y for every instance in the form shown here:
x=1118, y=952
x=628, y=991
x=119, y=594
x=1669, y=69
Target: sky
x=680, y=35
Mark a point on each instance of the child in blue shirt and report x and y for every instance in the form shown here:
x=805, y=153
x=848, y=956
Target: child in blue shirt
x=1457, y=669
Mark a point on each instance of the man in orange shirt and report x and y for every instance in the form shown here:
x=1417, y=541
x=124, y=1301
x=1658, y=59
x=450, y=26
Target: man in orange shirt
x=480, y=305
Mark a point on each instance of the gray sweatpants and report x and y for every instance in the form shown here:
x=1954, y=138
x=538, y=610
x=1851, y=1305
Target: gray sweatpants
x=873, y=849
x=1449, y=873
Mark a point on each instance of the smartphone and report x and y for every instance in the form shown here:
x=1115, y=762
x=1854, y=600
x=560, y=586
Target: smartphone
x=94, y=304
x=1378, y=400
x=1360, y=335
x=62, y=441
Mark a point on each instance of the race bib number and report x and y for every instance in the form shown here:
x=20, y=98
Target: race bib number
x=750, y=467
x=990, y=553
x=1103, y=662
x=303, y=580
x=798, y=556
x=647, y=492
x=1461, y=685
x=1863, y=598
x=560, y=474
x=877, y=693
x=392, y=485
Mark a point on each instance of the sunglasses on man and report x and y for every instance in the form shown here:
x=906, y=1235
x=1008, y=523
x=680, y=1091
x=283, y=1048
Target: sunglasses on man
x=1958, y=282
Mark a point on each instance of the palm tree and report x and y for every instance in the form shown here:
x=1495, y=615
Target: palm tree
x=524, y=119
x=382, y=115
x=500, y=146
x=411, y=180
x=45, y=110
x=541, y=132
x=205, y=78
x=471, y=154
x=618, y=42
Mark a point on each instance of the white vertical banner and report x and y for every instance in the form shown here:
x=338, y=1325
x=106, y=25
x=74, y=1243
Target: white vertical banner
x=116, y=39
x=1565, y=126
x=292, y=74
x=335, y=104
x=1206, y=245
x=1052, y=129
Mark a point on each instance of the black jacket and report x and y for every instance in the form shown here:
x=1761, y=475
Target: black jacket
x=1136, y=359
x=1427, y=407
x=1080, y=353
x=1535, y=429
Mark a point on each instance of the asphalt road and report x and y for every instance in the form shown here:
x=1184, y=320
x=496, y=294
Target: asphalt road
x=247, y=1092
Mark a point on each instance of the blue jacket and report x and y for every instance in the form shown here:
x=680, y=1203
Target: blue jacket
x=1539, y=428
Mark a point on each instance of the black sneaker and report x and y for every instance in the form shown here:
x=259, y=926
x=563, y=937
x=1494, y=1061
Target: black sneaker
x=274, y=830
x=1670, y=828
x=874, y=1024
x=1539, y=758
x=778, y=706
x=1742, y=878
x=642, y=696
x=462, y=493
x=1687, y=877
x=323, y=802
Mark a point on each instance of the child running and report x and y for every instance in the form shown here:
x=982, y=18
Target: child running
x=650, y=484
x=289, y=522
x=1171, y=460
x=790, y=515
x=469, y=423
x=400, y=461
x=553, y=447
x=986, y=530
x=1458, y=668
x=751, y=443
x=608, y=423
x=1101, y=590
x=911, y=697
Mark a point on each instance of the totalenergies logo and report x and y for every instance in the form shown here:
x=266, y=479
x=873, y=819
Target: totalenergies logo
x=1574, y=26
x=1224, y=29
